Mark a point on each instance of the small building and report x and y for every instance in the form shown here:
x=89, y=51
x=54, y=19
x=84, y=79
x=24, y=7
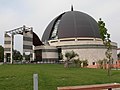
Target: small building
x=46, y=54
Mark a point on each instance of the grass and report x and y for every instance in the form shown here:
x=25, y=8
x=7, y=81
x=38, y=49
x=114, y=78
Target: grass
x=51, y=76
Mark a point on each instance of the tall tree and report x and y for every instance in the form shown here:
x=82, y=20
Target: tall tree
x=106, y=41
x=69, y=55
x=1, y=53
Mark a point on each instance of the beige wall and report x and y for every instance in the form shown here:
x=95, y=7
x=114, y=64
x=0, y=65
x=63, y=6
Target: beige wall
x=48, y=54
x=78, y=45
x=92, y=55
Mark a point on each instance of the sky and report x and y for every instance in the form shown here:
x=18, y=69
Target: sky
x=39, y=13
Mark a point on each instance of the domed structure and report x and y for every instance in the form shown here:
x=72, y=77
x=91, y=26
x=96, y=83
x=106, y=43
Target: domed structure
x=71, y=24
x=74, y=31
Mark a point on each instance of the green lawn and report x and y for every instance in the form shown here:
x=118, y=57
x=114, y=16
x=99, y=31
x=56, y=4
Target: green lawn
x=51, y=76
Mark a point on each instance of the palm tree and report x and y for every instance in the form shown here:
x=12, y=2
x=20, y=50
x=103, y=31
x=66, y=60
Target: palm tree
x=69, y=55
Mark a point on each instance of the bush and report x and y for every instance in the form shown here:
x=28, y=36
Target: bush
x=77, y=62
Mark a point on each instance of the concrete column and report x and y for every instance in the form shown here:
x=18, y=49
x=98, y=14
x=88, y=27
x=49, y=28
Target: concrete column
x=35, y=81
x=31, y=56
x=5, y=58
x=12, y=44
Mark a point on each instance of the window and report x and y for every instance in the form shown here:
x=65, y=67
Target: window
x=27, y=39
x=7, y=42
x=7, y=49
x=93, y=63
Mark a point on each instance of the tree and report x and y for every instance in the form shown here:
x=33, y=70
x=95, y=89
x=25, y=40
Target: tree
x=106, y=41
x=27, y=57
x=69, y=55
x=17, y=55
x=1, y=53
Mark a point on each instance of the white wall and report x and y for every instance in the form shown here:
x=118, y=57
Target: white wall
x=83, y=47
x=92, y=55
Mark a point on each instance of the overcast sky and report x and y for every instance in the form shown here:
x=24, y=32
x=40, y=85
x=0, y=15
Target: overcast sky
x=38, y=14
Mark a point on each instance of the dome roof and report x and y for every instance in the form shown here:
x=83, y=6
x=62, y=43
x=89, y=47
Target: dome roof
x=71, y=24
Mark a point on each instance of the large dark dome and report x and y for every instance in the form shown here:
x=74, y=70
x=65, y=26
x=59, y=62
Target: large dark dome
x=71, y=24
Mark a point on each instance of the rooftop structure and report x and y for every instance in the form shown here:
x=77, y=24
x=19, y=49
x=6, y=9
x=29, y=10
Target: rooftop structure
x=71, y=24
